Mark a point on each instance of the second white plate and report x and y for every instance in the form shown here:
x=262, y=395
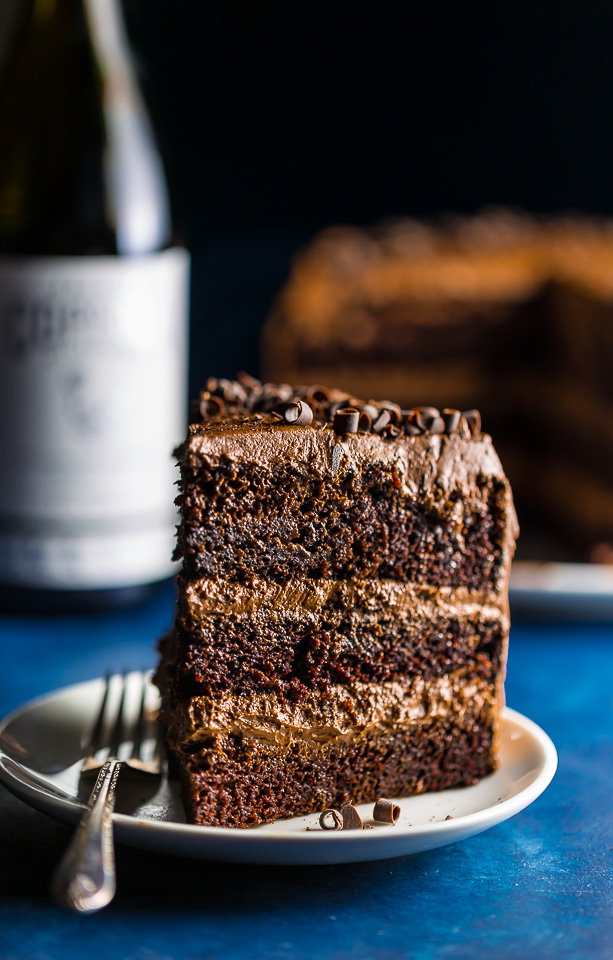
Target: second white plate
x=561, y=591
x=40, y=746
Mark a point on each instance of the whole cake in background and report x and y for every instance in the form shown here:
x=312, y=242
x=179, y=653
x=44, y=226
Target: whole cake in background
x=505, y=312
x=342, y=618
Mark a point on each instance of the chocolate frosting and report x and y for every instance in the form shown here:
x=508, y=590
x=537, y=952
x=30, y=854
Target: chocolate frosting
x=346, y=712
x=421, y=461
x=262, y=599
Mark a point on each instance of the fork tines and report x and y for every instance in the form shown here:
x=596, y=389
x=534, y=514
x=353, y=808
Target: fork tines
x=118, y=730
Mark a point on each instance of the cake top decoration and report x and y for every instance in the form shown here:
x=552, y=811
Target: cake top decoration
x=247, y=398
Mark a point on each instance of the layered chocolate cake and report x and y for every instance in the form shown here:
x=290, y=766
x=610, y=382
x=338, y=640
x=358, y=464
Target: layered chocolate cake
x=342, y=620
x=508, y=313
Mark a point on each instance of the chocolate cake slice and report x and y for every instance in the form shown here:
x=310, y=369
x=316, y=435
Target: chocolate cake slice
x=342, y=620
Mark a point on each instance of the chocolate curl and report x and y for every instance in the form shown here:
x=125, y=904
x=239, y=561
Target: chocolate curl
x=211, y=406
x=382, y=421
x=411, y=423
x=338, y=405
x=351, y=817
x=370, y=409
x=269, y=389
x=390, y=432
x=229, y=390
x=271, y=396
x=250, y=383
x=253, y=388
x=346, y=420
x=463, y=429
x=319, y=393
x=337, y=822
x=368, y=414
x=426, y=417
x=385, y=811
x=452, y=420
x=233, y=392
x=365, y=422
x=437, y=426
x=394, y=411
x=473, y=419
x=298, y=413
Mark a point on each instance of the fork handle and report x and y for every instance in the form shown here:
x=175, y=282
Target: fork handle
x=85, y=878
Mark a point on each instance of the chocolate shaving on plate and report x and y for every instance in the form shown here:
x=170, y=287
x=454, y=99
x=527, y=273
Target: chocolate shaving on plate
x=386, y=811
x=334, y=815
x=351, y=817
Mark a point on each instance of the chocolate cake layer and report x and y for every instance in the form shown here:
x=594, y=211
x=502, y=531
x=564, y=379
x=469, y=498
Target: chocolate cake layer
x=227, y=786
x=249, y=760
x=265, y=500
x=292, y=658
x=309, y=635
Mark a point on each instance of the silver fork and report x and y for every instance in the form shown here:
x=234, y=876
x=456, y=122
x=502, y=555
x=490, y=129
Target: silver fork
x=85, y=879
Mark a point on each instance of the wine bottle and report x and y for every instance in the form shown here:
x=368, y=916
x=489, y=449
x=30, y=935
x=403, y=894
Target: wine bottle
x=93, y=318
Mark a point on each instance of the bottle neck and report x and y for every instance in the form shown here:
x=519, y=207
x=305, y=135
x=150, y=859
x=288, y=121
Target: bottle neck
x=80, y=156
x=136, y=181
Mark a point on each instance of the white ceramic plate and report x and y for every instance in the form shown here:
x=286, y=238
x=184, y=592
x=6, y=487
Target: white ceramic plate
x=561, y=591
x=40, y=746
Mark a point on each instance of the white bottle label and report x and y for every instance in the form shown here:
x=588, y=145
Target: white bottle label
x=93, y=362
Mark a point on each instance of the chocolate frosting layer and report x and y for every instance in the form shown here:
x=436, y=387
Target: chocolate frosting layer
x=344, y=713
x=261, y=599
x=421, y=462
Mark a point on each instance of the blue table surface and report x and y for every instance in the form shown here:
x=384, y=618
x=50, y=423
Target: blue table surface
x=539, y=885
